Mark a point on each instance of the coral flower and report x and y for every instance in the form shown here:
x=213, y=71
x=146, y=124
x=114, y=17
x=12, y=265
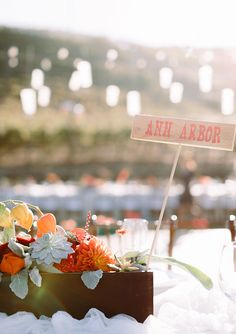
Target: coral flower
x=67, y=265
x=80, y=233
x=92, y=255
x=11, y=263
x=46, y=224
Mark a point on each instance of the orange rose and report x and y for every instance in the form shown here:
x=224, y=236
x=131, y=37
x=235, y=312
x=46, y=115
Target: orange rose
x=11, y=263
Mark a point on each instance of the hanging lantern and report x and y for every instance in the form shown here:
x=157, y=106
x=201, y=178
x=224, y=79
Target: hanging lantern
x=37, y=78
x=133, y=103
x=165, y=77
x=44, y=96
x=28, y=101
x=227, y=101
x=112, y=95
x=205, y=74
x=176, y=92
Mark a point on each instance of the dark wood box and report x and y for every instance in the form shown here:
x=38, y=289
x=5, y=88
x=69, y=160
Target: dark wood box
x=130, y=293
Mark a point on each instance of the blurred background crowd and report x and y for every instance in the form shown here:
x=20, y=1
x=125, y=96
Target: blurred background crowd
x=67, y=100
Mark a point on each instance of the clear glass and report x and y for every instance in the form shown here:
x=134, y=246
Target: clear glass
x=227, y=270
x=135, y=236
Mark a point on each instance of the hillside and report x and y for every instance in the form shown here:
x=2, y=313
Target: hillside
x=56, y=138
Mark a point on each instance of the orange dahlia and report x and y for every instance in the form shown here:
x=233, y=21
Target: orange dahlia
x=92, y=255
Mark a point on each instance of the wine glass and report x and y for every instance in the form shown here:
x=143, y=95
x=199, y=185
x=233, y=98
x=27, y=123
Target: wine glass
x=227, y=270
x=135, y=236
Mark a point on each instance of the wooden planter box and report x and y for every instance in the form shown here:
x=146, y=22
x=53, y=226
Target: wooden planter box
x=130, y=293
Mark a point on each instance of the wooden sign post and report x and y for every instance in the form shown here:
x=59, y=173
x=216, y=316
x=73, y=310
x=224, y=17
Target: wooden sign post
x=182, y=132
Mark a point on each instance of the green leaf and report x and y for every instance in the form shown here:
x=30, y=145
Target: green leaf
x=16, y=248
x=19, y=284
x=2, y=208
x=130, y=268
x=130, y=255
x=35, y=277
x=140, y=267
x=28, y=261
x=91, y=278
x=113, y=267
x=197, y=273
x=134, y=254
x=134, y=258
x=8, y=233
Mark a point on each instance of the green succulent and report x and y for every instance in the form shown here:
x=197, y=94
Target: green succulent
x=50, y=248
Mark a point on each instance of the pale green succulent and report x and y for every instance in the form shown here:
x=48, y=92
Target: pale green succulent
x=50, y=248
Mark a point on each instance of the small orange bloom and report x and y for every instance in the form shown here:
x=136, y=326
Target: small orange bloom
x=11, y=263
x=121, y=231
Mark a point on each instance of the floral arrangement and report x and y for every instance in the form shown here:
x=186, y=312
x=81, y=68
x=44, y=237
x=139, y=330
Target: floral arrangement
x=31, y=242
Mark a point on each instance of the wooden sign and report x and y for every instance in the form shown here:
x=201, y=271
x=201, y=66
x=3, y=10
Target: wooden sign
x=185, y=132
x=182, y=132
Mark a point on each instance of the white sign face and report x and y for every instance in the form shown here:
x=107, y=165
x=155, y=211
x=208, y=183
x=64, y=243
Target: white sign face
x=185, y=132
